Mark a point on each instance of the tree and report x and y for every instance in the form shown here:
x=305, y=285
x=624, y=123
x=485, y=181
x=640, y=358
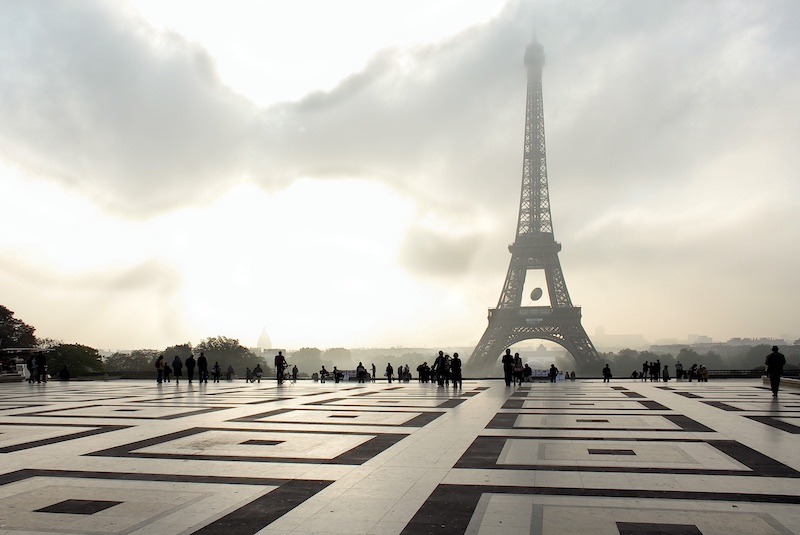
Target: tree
x=139, y=360
x=79, y=359
x=228, y=351
x=182, y=350
x=14, y=332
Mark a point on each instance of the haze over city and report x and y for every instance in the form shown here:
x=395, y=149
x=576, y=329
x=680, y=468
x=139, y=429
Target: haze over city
x=347, y=174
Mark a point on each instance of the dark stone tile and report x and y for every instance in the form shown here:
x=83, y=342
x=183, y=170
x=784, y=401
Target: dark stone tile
x=634, y=528
x=256, y=442
x=594, y=451
x=78, y=507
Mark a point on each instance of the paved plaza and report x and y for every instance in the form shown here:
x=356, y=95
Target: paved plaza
x=625, y=458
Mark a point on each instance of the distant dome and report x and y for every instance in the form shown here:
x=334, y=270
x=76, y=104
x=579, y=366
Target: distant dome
x=263, y=341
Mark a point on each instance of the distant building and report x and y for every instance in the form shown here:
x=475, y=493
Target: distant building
x=263, y=340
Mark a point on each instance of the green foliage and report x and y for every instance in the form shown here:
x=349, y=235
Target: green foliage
x=79, y=359
x=139, y=360
x=226, y=351
x=14, y=332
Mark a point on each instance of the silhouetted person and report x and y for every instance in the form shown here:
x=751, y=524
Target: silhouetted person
x=606, y=374
x=508, y=366
x=229, y=373
x=336, y=375
x=280, y=366
x=323, y=374
x=389, y=372
x=216, y=371
x=177, y=368
x=30, y=365
x=553, y=373
x=295, y=373
x=361, y=373
x=41, y=367
x=202, y=368
x=64, y=374
x=257, y=373
x=517, y=369
x=527, y=373
x=775, y=362
x=665, y=373
x=373, y=372
x=678, y=370
x=455, y=371
x=167, y=373
x=159, y=369
x=190, y=365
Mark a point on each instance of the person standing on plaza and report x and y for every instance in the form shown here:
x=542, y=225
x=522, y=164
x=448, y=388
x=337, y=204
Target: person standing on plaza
x=295, y=373
x=517, y=369
x=455, y=371
x=373, y=372
x=775, y=362
x=553, y=373
x=665, y=373
x=389, y=372
x=216, y=371
x=190, y=365
x=607, y=374
x=280, y=366
x=508, y=366
x=361, y=373
x=202, y=368
x=177, y=368
x=160, y=369
x=257, y=373
x=30, y=365
x=41, y=367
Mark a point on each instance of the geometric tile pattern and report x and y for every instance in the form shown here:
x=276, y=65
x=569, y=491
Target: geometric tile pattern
x=618, y=458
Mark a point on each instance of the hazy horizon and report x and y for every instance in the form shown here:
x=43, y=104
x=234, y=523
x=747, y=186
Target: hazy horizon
x=173, y=171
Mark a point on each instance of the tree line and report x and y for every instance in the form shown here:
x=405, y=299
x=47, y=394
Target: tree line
x=84, y=360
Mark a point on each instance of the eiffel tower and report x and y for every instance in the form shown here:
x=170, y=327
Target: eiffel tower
x=534, y=248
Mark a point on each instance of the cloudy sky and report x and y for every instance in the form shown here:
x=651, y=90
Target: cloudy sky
x=347, y=173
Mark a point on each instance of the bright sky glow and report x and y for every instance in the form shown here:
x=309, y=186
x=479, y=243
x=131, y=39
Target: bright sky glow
x=347, y=173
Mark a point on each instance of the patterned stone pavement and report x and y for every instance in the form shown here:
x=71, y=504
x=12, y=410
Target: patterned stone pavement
x=623, y=458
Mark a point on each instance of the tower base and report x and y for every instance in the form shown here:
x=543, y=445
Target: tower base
x=509, y=326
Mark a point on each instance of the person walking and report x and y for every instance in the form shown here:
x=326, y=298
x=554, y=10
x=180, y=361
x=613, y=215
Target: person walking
x=202, y=368
x=280, y=366
x=177, y=369
x=553, y=373
x=295, y=373
x=508, y=366
x=606, y=374
x=775, y=362
x=517, y=378
x=190, y=365
x=160, y=369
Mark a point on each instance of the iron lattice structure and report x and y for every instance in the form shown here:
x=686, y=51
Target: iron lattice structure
x=534, y=248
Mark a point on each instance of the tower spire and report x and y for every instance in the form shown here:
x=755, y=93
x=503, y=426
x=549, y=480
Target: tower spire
x=534, y=248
